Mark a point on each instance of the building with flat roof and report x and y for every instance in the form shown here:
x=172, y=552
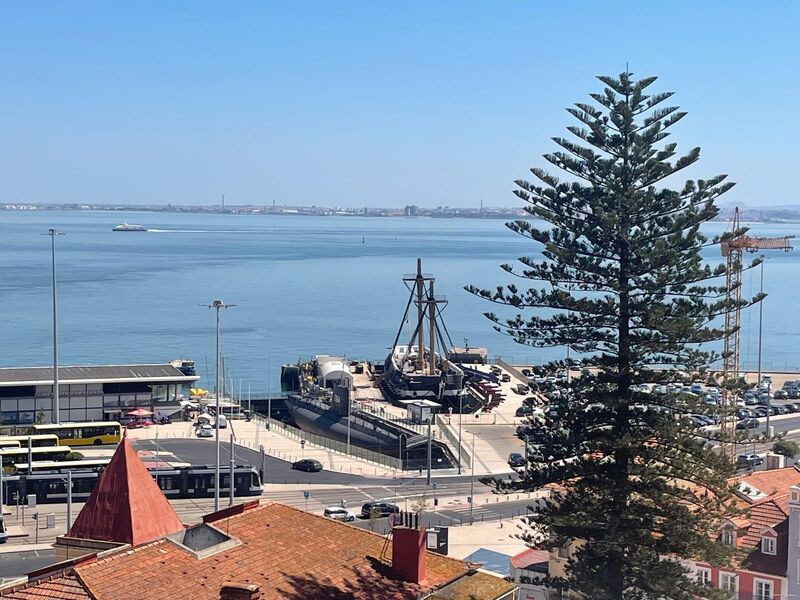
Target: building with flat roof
x=91, y=393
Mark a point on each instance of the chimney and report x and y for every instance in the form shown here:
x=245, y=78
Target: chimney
x=793, y=562
x=408, y=553
x=239, y=591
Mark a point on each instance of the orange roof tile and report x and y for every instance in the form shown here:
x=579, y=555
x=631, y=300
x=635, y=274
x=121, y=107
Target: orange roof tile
x=288, y=553
x=63, y=586
x=126, y=505
x=772, y=481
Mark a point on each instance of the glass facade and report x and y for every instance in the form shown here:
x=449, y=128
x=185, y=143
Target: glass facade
x=83, y=402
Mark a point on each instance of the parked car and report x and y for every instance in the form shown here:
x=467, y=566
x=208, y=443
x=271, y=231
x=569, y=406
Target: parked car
x=526, y=410
x=381, y=507
x=781, y=410
x=760, y=411
x=515, y=459
x=747, y=424
x=696, y=388
x=337, y=513
x=307, y=464
x=749, y=460
x=780, y=395
x=745, y=413
x=223, y=422
x=205, y=431
x=505, y=378
x=793, y=407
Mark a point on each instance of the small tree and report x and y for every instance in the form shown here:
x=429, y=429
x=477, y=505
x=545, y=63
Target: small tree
x=618, y=278
x=786, y=447
x=374, y=517
x=420, y=507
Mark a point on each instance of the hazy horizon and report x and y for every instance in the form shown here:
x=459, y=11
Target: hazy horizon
x=366, y=104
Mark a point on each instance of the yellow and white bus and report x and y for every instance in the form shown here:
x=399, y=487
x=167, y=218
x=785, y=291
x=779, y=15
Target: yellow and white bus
x=13, y=456
x=21, y=441
x=84, y=434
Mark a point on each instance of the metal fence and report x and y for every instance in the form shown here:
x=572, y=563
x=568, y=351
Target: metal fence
x=329, y=444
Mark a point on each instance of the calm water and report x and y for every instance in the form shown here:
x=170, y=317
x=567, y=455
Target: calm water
x=302, y=285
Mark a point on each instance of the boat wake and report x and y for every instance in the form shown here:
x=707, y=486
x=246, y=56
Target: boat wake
x=241, y=231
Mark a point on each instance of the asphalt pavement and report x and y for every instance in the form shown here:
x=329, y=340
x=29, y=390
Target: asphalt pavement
x=19, y=561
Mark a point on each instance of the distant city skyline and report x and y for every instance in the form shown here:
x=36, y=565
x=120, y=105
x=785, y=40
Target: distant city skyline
x=366, y=104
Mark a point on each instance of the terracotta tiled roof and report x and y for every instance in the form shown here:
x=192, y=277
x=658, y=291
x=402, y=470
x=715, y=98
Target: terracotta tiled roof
x=63, y=586
x=126, y=505
x=772, y=481
x=289, y=554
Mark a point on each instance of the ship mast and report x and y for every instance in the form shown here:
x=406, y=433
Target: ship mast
x=420, y=281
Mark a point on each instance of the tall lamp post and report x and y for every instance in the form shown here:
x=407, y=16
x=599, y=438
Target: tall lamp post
x=217, y=305
x=56, y=409
x=760, y=325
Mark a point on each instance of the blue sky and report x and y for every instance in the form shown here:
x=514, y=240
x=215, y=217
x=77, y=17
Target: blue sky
x=371, y=103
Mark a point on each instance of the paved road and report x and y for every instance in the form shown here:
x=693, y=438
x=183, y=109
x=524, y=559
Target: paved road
x=200, y=452
x=17, y=563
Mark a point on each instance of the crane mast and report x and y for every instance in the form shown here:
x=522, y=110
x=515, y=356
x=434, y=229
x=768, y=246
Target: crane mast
x=732, y=250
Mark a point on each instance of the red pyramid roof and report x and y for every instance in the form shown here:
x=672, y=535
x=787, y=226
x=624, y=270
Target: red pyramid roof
x=126, y=505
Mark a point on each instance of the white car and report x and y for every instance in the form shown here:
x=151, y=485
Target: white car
x=337, y=513
x=205, y=430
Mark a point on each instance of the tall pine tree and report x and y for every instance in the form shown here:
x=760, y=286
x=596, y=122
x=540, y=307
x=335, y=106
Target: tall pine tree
x=621, y=282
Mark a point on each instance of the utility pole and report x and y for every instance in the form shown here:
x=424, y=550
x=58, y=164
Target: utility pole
x=460, y=417
x=56, y=409
x=349, y=404
x=472, y=481
x=217, y=305
x=232, y=466
x=69, y=499
x=157, y=455
x=430, y=448
x=760, y=328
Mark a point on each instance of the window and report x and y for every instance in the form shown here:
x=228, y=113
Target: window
x=563, y=551
x=762, y=590
x=727, y=581
x=768, y=545
x=728, y=537
x=704, y=576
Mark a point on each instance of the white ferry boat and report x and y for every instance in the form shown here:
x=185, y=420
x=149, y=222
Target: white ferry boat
x=129, y=227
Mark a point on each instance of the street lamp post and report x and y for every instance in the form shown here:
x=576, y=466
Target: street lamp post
x=56, y=409
x=460, y=418
x=217, y=305
x=472, y=481
x=760, y=326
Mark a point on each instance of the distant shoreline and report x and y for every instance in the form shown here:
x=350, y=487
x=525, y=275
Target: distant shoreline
x=505, y=213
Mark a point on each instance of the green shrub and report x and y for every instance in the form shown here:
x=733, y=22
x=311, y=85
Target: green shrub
x=786, y=447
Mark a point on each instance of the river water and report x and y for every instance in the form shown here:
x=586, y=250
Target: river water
x=301, y=285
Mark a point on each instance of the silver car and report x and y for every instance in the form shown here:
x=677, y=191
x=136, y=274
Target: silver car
x=337, y=513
